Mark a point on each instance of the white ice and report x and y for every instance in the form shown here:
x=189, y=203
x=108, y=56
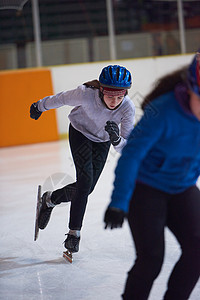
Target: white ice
x=36, y=270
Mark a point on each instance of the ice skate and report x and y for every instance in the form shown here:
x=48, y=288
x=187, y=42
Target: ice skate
x=45, y=211
x=72, y=245
x=68, y=256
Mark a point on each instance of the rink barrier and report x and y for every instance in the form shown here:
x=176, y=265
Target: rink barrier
x=144, y=72
x=18, y=90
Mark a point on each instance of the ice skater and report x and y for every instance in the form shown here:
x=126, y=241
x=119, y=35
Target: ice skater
x=100, y=106
x=155, y=184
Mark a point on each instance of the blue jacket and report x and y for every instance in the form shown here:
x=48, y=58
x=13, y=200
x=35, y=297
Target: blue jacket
x=163, y=151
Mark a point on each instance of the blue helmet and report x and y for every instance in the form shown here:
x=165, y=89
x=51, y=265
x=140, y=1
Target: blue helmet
x=115, y=77
x=193, y=75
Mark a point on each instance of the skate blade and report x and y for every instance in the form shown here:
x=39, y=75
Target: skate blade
x=68, y=256
x=38, y=207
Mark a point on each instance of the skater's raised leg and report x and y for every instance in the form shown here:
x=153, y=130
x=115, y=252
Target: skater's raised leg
x=51, y=199
x=46, y=210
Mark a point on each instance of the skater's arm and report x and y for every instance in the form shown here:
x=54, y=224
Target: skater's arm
x=118, y=136
x=140, y=141
x=145, y=135
x=127, y=125
x=72, y=98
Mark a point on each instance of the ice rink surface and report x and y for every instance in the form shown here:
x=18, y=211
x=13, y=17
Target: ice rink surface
x=36, y=270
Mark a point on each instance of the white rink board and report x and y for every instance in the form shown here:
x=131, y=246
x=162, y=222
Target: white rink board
x=144, y=72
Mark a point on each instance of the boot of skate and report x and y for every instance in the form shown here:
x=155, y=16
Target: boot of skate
x=46, y=210
x=72, y=241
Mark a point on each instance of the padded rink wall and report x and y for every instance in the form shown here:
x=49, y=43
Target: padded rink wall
x=20, y=88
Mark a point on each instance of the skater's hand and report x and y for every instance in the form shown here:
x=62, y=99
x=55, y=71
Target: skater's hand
x=113, y=131
x=34, y=111
x=114, y=218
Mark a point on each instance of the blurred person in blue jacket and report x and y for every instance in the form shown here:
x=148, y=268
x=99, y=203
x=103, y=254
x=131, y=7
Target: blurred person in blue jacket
x=155, y=184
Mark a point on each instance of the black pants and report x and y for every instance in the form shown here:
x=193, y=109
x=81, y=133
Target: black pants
x=89, y=159
x=150, y=211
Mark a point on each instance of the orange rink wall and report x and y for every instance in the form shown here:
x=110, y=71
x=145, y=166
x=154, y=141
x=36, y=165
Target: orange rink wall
x=18, y=90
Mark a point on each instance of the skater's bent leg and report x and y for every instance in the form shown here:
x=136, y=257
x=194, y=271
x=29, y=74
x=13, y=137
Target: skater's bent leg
x=147, y=218
x=65, y=194
x=184, y=222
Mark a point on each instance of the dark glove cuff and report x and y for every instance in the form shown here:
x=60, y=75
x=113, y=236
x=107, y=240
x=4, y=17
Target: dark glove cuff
x=114, y=217
x=115, y=143
x=36, y=108
x=34, y=111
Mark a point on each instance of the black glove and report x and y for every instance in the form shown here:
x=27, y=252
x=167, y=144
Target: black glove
x=34, y=112
x=114, y=217
x=113, y=131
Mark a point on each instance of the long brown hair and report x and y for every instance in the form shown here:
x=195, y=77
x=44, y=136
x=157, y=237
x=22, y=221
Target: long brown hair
x=166, y=84
x=95, y=84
